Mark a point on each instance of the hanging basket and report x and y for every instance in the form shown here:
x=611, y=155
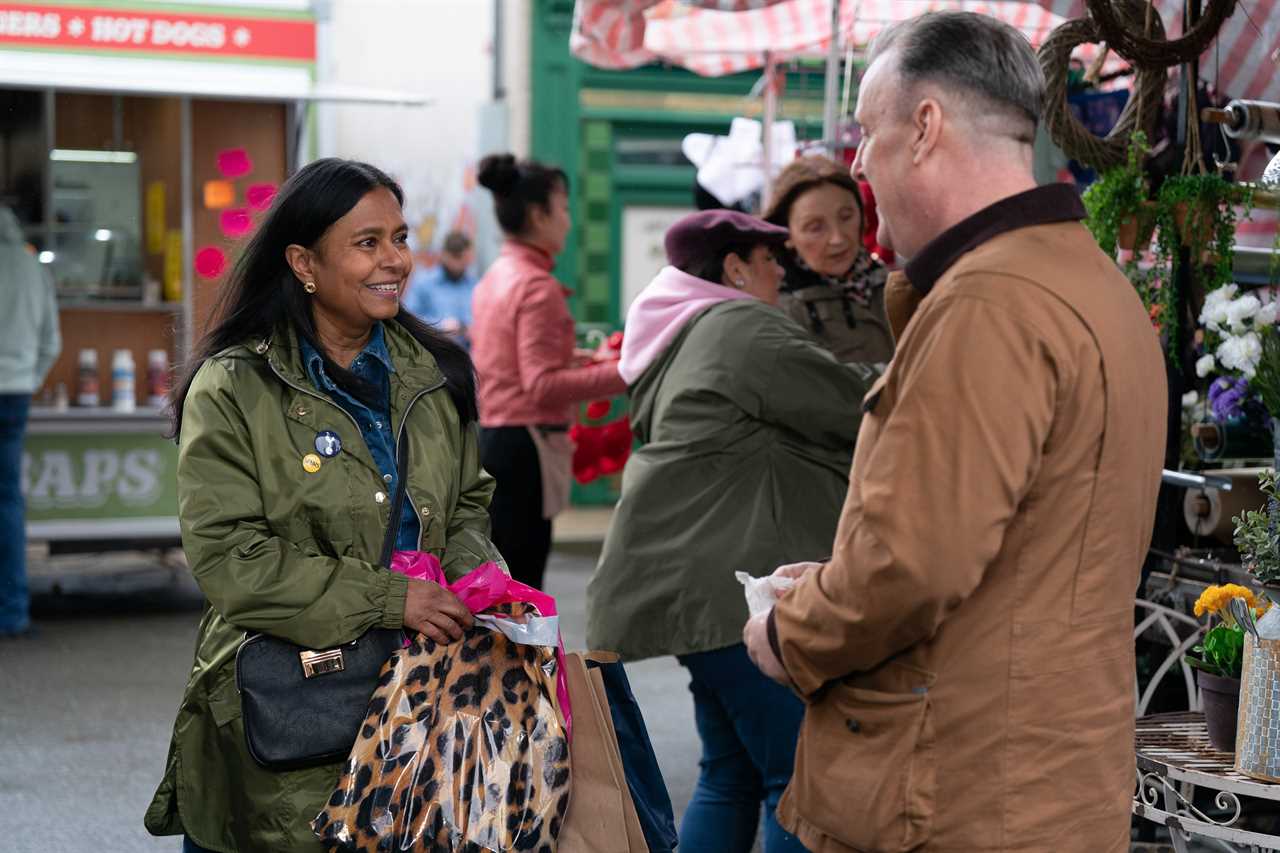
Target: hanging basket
x=1073, y=137
x=1136, y=229
x=1156, y=51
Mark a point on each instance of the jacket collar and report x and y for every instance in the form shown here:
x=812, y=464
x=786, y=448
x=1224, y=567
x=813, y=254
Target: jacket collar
x=525, y=253
x=416, y=368
x=1039, y=206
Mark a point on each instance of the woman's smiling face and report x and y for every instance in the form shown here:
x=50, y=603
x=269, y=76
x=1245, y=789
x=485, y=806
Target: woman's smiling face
x=360, y=265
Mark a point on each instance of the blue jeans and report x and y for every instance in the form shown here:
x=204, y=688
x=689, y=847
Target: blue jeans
x=748, y=726
x=15, y=601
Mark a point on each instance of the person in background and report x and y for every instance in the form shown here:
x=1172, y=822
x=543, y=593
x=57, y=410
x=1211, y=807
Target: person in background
x=833, y=286
x=29, y=344
x=748, y=426
x=967, y=651
x=530, y=373
x=442, y=294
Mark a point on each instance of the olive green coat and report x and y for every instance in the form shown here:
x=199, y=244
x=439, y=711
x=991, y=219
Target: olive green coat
x=293, y=554
x=748, y=425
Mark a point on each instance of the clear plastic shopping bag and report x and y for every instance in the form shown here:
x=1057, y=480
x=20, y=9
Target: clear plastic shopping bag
x=465, y=748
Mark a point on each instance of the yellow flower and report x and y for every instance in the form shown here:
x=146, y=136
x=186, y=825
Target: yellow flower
x=1214, y=599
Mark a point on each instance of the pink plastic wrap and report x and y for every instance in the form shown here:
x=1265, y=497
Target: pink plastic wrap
x=484, y=588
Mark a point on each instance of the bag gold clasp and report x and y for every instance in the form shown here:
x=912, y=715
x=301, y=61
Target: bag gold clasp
x=321, y=663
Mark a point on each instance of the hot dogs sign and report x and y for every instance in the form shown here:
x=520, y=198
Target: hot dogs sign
x=280, y=36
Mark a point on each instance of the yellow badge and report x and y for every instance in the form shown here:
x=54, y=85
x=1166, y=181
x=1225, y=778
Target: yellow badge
x=311, y=463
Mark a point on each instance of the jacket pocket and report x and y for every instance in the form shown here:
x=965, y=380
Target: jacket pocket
x=865, y=768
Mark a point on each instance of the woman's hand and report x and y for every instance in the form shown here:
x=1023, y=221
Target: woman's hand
x=435, y=611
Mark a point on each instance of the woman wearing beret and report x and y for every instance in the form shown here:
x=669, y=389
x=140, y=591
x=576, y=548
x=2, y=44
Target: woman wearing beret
x=748, y=426
x=286, y=424
x=832, y=285
x=531, y=376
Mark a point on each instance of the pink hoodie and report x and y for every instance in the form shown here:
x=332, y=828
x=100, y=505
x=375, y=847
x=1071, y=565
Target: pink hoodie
x=661, y=310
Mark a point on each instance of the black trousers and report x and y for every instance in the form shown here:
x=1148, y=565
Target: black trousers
x=522, y=535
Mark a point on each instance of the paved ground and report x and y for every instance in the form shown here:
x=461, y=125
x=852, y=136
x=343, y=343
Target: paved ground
x=86, y=705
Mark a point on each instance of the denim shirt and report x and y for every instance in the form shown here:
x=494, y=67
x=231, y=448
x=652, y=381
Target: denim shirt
x=373, y=365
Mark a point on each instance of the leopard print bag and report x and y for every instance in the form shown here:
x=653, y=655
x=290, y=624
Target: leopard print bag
x=463, y=750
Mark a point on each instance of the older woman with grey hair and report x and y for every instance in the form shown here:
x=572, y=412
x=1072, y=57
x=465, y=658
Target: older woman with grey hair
x=29, y=343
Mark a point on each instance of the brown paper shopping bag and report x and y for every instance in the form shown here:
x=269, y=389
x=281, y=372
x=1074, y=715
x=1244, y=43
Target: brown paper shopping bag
x=602, y=816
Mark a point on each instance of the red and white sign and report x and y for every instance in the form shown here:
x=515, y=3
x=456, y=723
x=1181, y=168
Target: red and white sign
x=125, y=30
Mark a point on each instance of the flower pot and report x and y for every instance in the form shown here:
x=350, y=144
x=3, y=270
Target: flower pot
x=1135, y=230
x=1196, y=228
x=1220, y=701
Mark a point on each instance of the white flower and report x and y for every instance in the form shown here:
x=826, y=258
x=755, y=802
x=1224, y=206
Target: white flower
x=1214, y=313
x=1239, y=310
x=1266, y=315
x=1190, y=398
x=1241, y=353
x=1204, y=366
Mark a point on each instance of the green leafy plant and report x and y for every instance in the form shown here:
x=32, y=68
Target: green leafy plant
x=1256, y=536
x=1199, y=212
x=1220, y=652
x=1117, y=196
x=1266, y=380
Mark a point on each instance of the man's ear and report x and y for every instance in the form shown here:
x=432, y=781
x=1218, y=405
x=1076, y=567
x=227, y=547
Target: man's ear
x=300, y=260
x=926, y=121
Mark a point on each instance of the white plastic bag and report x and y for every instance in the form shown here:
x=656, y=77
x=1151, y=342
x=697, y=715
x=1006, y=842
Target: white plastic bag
x=763, y=592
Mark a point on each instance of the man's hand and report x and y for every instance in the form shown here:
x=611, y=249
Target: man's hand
x=756, y=636
x=795, y=571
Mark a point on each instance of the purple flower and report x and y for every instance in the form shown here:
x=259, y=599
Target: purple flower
x=1233, y=400
x=1226, y=398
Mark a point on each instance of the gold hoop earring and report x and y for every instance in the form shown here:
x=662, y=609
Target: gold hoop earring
x=309, y=287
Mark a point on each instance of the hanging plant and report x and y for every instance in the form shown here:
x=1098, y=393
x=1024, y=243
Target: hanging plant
x=1117, y=201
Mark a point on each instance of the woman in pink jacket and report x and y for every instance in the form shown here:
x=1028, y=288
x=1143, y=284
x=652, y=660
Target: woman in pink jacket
x=531, y=375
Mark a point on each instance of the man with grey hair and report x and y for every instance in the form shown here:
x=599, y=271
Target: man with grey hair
x=967, y=651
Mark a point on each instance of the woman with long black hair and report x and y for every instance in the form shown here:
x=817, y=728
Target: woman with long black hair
x=287, y=423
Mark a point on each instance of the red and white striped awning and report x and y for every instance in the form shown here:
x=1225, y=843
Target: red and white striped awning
x=715, y=37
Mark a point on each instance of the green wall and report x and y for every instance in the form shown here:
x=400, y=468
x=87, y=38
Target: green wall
x=617, y=134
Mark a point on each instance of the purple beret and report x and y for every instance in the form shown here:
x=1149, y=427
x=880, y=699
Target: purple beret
x=699, y=236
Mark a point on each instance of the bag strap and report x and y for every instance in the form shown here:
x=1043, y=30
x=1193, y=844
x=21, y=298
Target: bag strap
x=397, y=502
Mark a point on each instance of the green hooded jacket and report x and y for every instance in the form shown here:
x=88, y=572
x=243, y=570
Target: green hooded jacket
x=294, y=554
x=748, y=425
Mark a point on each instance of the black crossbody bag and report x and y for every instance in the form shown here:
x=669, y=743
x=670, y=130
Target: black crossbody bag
x=302, y=707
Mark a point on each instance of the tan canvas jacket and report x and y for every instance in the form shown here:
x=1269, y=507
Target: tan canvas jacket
x=968, y=651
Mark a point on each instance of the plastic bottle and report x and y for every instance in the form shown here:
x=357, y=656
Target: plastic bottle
x=87, y=380
x=123, y=395
x=157, y=377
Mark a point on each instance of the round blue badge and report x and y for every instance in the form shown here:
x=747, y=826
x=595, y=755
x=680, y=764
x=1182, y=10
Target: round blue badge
x=328, y=444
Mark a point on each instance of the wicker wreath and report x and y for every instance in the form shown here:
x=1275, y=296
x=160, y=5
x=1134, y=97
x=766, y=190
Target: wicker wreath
x=1154, y=51
x=1067, y=131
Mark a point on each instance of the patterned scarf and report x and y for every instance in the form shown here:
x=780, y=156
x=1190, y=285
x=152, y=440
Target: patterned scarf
x=865, y=275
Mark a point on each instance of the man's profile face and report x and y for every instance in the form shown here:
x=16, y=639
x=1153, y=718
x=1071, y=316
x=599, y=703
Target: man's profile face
x=884, y=154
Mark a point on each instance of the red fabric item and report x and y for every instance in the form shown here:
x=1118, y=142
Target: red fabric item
x=598, y=409
x=600, y=450
x=523, y=345
x=870, y=222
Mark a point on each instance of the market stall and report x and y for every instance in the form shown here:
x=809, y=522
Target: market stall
x=140, y=144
